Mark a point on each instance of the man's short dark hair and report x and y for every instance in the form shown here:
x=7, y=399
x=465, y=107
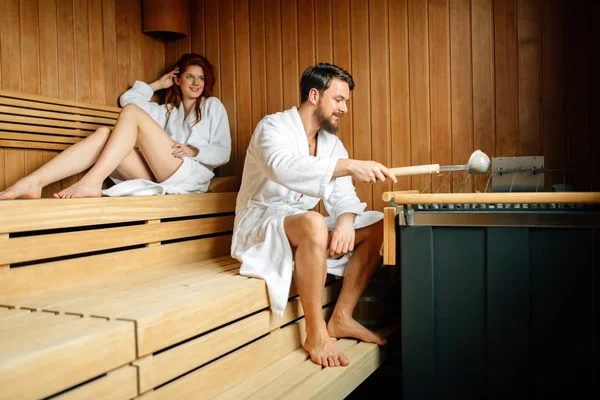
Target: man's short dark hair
x=320, y=77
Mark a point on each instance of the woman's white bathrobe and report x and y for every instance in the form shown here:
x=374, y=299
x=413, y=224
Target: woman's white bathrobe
x=280, y=178
x=210, y=136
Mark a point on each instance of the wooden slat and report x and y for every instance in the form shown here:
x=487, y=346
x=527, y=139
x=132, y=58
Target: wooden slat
x=25, y=137
x=97, y=55
x=48, y=49
x=440, y=103
x=235, y=367
x=50, y=122
x=50, y=213
x=495, y=198
x=109, y=34
x=43, y=129
x=399, y=89
x=57, y=101
x=43, y=276
x=31, y=248
x=82, y=50
x=29, y=104
x=55, y=115
x=389, y=235
x=295, y=375
x=66, y=356
x=116, y=287
x=32, y=145
x=178, y=320
x=30, y=46
x=160, y=368
x=3, y=237
x=119, y=384
x=66, y=50
x=332, y=383
x=10, y=50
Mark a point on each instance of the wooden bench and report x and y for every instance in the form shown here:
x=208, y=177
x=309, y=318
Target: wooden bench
x=130, y=297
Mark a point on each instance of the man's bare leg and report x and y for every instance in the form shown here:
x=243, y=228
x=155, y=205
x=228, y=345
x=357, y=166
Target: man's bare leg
x=307, y=234
x=361, y=267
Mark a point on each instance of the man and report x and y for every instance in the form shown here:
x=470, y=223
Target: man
x=293, y=160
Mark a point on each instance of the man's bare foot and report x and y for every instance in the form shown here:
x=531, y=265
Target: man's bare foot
x=323, y=350
x=338, y=327
x=80, y=190
x=25, y=188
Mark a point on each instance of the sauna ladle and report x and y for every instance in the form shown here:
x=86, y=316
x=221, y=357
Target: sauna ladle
x=478, y=163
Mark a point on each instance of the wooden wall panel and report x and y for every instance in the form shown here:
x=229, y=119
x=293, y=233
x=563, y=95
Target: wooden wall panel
x=439, y=77
x=435, y=79
x=80, y=50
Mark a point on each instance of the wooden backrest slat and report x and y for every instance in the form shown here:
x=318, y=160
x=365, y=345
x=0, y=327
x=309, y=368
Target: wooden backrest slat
x=43, y=129
x=32, y=248
x=85, y=269
x=42, y=214
x=56, y=108
x=53, y=100
x=55, y=115
x=50, y=122
x=19, y=144
x=38, y=138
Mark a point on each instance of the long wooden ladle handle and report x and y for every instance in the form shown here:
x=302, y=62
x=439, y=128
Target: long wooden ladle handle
x=416, y=170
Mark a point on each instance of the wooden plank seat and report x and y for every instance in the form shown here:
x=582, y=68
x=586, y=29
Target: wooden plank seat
x=119, y=298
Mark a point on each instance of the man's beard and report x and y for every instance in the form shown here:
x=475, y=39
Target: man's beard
x=325, y=123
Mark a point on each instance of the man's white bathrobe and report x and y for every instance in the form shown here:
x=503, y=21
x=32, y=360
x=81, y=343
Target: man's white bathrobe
x=280, y=178
x=210, y=136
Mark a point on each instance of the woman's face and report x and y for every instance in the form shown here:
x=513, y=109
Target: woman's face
x=191, y=82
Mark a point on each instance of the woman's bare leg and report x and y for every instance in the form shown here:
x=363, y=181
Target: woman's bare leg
x=361, y=267
x=307, y=234
x=71, y=161
x=134, y=128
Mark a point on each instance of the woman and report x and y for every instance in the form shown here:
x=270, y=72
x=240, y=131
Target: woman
x=152, y=149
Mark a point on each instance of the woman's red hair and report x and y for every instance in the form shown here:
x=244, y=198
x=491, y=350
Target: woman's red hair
x=174, y=96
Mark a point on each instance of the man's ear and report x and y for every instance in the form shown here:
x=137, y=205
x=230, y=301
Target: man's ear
x=314, y=95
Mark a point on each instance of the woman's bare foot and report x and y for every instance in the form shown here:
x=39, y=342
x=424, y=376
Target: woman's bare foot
x=323, y=350
x=25, y=188
x=338, y=327
x=79, y=190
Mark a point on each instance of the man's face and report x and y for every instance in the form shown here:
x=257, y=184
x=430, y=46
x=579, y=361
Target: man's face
x=332, y=105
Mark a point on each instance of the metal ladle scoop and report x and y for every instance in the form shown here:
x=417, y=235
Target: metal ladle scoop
x=478, y=163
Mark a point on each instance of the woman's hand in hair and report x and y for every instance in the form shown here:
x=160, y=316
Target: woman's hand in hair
x=181, y=150
x=165, y=81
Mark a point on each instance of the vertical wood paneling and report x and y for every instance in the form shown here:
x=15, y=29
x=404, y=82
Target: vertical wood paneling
x=379, y=64
x=55, y=187
x=30, y=46
x=97, y=92
x=439, y=84
x=66, y=50
x=243, y=87
x=136, y=56
x=123, y=46
x=461, y=91
x=228, y=63
x=323, y=31
x=507, y=91
x=109, y=22
x=553, y=111
x=342, y=56
x=484, y=120
x=273, y=56
x=11, y=46
x=595, y=105
x=289, y=37
x=306, y=36
x=48, y=48
x=211, y=22
x=529, y=31
x=577, y=94
x=399, y=89
x=197, y=26
x=14, y=159
x=82, y=51
x=359, y=22
x=257, y=62
x=2, y=170
x=418, y=44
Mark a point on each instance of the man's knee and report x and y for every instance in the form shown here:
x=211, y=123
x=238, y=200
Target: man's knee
x=314, y=228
